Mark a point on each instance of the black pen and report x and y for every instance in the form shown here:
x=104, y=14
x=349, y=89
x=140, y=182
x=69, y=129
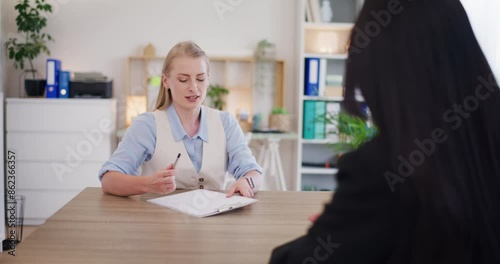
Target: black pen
x=177, y=159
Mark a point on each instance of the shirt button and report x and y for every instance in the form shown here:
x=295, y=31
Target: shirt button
x=201, y=187
x=201, y=179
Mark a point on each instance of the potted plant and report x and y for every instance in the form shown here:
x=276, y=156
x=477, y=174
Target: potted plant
x=279, y=119
x=352, y=131
x=265, y=50
x=217, y=93
x=30, y=22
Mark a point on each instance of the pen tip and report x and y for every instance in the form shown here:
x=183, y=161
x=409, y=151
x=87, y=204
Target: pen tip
x=179, y=155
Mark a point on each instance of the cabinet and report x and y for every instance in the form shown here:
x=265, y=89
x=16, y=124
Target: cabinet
x=60, y=146
x=322, y=55
x=245, y=77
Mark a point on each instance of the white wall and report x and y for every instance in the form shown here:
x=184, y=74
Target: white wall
x=484, y=17
x=498, y=42
x=97, y=35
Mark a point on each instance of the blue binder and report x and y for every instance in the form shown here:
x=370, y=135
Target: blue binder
x=311, y=76
x=53, y=69
x=64, y=77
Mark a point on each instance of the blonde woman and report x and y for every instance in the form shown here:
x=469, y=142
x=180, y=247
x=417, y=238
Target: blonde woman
x=210, y=142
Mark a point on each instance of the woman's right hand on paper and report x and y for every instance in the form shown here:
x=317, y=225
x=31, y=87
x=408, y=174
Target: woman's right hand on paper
x=162, y=181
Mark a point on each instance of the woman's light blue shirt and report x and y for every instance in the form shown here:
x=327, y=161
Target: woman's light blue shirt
x=138, y=144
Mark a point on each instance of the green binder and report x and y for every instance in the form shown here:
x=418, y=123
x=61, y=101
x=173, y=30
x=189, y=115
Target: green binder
x=309, y=112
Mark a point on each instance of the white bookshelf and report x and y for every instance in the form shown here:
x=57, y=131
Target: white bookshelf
x=326, y=56
x=326, y=41
x=328, y=26
x=320, y=171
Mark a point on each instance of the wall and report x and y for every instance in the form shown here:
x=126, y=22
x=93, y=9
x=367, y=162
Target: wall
x=498, y=42
x=483, y=15
x=96, y=35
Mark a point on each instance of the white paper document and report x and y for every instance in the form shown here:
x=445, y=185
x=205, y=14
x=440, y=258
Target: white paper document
x=202, y=203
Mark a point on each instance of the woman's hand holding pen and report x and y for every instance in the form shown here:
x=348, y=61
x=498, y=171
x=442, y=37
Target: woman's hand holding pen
x=163, y=181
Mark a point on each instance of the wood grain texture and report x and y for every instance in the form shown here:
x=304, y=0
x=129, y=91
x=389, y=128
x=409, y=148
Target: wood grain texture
x=100, y=228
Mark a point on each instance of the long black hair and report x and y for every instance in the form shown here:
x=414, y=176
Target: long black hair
x=435, y=101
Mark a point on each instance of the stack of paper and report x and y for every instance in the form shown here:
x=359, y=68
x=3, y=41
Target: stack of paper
x=202, y=203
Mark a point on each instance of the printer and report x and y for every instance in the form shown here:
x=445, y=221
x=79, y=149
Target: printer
x=90, y=85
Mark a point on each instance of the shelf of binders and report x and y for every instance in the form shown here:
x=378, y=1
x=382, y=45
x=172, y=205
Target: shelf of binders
x=319, y=171
x=323, y=97
x=340, y=56
x=323, y=55
x=328, y=26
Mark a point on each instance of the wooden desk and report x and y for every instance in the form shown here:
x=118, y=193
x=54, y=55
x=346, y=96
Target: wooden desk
x=99, y=228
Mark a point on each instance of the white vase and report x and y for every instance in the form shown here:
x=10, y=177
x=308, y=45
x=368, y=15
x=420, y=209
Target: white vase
x=326, y=11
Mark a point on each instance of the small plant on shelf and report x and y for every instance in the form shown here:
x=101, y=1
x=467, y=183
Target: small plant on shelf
x=216, y=94
x=279, y=119
x=279, y=111
x=352, y=131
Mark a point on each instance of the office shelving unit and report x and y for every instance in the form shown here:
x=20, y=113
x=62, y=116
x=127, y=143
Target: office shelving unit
x=327, y=41
x=236, y=73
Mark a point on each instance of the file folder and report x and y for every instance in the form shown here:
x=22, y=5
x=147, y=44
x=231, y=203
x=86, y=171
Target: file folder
x=323, y=65
x=64, y=77
x=53, y=69
x=309, y=112
x=202, y=203
x=311, y=77
x=331, y=128
x=319, y=120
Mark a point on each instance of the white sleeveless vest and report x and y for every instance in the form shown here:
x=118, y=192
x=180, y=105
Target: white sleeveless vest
x=214, y=160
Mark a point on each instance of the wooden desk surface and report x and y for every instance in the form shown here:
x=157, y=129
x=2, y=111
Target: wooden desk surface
x=99, y=228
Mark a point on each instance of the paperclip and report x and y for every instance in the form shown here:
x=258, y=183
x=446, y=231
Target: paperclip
x=228, y=207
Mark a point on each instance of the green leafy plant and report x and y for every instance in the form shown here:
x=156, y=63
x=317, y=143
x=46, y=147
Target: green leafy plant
x=352, y=131
x=279, y=111
x=279, y=119
x=265, y=50
x=30, y=23
x=215, y=93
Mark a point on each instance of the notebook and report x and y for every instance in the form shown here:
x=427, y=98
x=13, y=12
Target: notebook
x=202, y=203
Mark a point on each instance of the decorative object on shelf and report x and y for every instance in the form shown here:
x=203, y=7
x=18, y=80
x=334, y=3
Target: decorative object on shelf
x=149, y=51
x=217, y=93
x=265, y=51
x=265, y=66
x=279, y=119
x=265, y=78
x=30, y=22
x=256, y=120
x=326, y=12
x=242, y=117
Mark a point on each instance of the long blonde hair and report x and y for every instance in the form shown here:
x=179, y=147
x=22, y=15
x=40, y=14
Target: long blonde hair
x=185, y=48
